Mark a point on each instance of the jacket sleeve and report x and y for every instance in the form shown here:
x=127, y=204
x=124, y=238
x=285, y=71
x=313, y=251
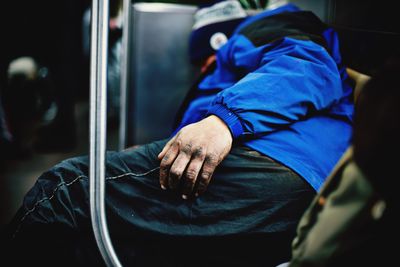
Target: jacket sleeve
x=292, y=79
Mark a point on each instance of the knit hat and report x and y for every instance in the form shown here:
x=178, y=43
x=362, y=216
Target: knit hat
x=213, y=25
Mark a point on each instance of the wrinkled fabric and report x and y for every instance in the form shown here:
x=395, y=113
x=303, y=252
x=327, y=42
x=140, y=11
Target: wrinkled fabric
x=249, y=198
x=347, y=224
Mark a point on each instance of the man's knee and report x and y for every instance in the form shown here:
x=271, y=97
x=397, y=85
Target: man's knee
x=60, y=195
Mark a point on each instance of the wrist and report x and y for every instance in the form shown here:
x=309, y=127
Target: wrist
x=219, y=125
x=229, y=118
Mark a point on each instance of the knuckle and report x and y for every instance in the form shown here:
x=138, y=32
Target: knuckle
x=187, y=149
x=163, y=171
x=198, y=152
x=205, y=176
x=177, y=142
x=174, y=145
x=164, y=166
x=191, y=175
x=165, y=160
x=175, y=173
x=212, y=159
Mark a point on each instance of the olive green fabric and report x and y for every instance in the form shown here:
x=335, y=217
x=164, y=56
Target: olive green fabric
x=342, y=221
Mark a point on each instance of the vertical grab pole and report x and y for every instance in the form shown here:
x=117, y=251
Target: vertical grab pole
x=98, y=121
x=126, y=8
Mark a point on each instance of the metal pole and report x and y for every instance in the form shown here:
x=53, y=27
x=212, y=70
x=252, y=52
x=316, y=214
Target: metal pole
x=126, y=8
x=98, y=121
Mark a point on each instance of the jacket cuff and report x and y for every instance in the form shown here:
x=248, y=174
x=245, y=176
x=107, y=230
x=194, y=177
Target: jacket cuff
x=230, y=119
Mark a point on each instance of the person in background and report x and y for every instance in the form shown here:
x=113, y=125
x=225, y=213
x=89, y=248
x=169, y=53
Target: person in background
x=5, y=135
x=29, y=104
x=352, y=221
x=50, y=33
x=263, y=126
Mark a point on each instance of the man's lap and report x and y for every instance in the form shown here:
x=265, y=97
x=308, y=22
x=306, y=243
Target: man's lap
x=248, y=193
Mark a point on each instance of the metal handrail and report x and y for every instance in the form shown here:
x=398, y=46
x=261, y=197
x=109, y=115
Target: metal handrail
x=126, y=8
x=98, y=121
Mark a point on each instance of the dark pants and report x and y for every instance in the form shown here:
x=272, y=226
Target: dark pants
x=247, y=216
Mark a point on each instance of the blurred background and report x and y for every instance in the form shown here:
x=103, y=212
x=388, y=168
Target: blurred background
x=44, y=89
x=44, y=75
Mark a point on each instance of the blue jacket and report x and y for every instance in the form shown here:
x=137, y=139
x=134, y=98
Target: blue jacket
x=286, y=97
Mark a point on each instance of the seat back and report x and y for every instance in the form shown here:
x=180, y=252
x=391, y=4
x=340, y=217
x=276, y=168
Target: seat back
x=159, y=72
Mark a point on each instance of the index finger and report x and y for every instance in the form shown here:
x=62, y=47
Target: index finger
x=165, y=149
x=169, y=157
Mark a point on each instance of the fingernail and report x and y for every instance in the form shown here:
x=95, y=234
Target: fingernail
x=184, y=196
x=163, y=187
